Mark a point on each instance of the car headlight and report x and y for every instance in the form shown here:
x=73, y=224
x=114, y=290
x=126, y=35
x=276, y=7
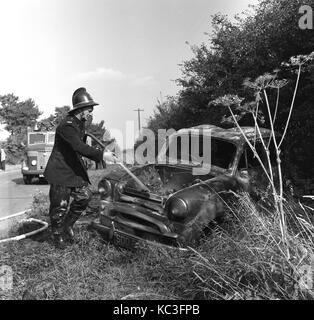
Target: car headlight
x=34, y=162
x=120, y=187
x=104, y=188
x=177, y=208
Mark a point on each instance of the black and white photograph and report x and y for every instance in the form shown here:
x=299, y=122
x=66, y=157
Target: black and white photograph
x=157, y=154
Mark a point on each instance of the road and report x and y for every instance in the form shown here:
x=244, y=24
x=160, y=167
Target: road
x=15, y=196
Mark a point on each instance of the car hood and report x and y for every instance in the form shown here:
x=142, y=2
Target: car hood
x=161, y=179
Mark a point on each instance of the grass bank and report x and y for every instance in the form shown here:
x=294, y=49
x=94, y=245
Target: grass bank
x=243, y=257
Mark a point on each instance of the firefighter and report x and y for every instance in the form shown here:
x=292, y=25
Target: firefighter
x=66, y=171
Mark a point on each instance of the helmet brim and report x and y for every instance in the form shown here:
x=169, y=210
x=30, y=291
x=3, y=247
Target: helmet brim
x=83, y=105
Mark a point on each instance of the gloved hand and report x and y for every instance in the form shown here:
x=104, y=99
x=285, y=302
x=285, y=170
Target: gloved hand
x=109, y=156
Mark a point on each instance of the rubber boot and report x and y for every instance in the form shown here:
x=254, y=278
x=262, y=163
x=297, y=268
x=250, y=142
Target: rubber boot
x=59, y=241
x=57, y=230
x=69, y=221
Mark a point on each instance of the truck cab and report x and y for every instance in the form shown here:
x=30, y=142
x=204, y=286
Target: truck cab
x=38, y=150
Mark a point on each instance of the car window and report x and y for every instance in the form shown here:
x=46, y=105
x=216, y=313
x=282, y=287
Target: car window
x=222, y=152
x=35, y=138
x=249, y=160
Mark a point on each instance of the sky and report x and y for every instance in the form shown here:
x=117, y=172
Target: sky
x=126, y=53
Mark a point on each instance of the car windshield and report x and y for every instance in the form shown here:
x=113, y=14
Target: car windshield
x=36, y=138
x=200, y=149
x=249, y=160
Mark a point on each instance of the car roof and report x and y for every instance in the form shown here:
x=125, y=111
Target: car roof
x=232, y=134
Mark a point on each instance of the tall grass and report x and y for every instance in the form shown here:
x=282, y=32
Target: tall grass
x=246, y=258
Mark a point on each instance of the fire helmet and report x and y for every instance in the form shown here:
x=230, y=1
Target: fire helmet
x=81, y=99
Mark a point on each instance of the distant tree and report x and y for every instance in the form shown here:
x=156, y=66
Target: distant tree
x=7, y=101
x=47, y=124
x=51, y=122
x=254, y=44
x=166, y=115
x=97, y=129
x=18, y=115
x=60, y=113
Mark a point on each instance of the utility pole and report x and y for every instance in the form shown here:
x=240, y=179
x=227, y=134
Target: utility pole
x=139, y=118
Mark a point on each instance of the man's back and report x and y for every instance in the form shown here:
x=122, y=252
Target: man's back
x=65, y=165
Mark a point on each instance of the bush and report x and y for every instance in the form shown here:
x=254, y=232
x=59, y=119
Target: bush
x=15, y=148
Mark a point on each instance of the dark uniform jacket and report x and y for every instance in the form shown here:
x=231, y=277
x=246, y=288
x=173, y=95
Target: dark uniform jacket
x=65, y=165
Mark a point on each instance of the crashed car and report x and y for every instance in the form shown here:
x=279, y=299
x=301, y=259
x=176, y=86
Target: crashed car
x=180, y=204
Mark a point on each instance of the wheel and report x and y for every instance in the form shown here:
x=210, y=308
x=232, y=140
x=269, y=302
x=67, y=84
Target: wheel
x=43, y=181
x=27, y=179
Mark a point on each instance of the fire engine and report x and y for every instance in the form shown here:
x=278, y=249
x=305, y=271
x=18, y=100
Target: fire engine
x=38, y=150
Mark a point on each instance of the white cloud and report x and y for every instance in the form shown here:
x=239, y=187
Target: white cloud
x=114, y=75
x=102, y=73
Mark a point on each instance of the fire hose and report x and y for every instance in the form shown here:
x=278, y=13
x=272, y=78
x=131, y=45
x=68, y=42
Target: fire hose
x=6, y=225
x=119, y=162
